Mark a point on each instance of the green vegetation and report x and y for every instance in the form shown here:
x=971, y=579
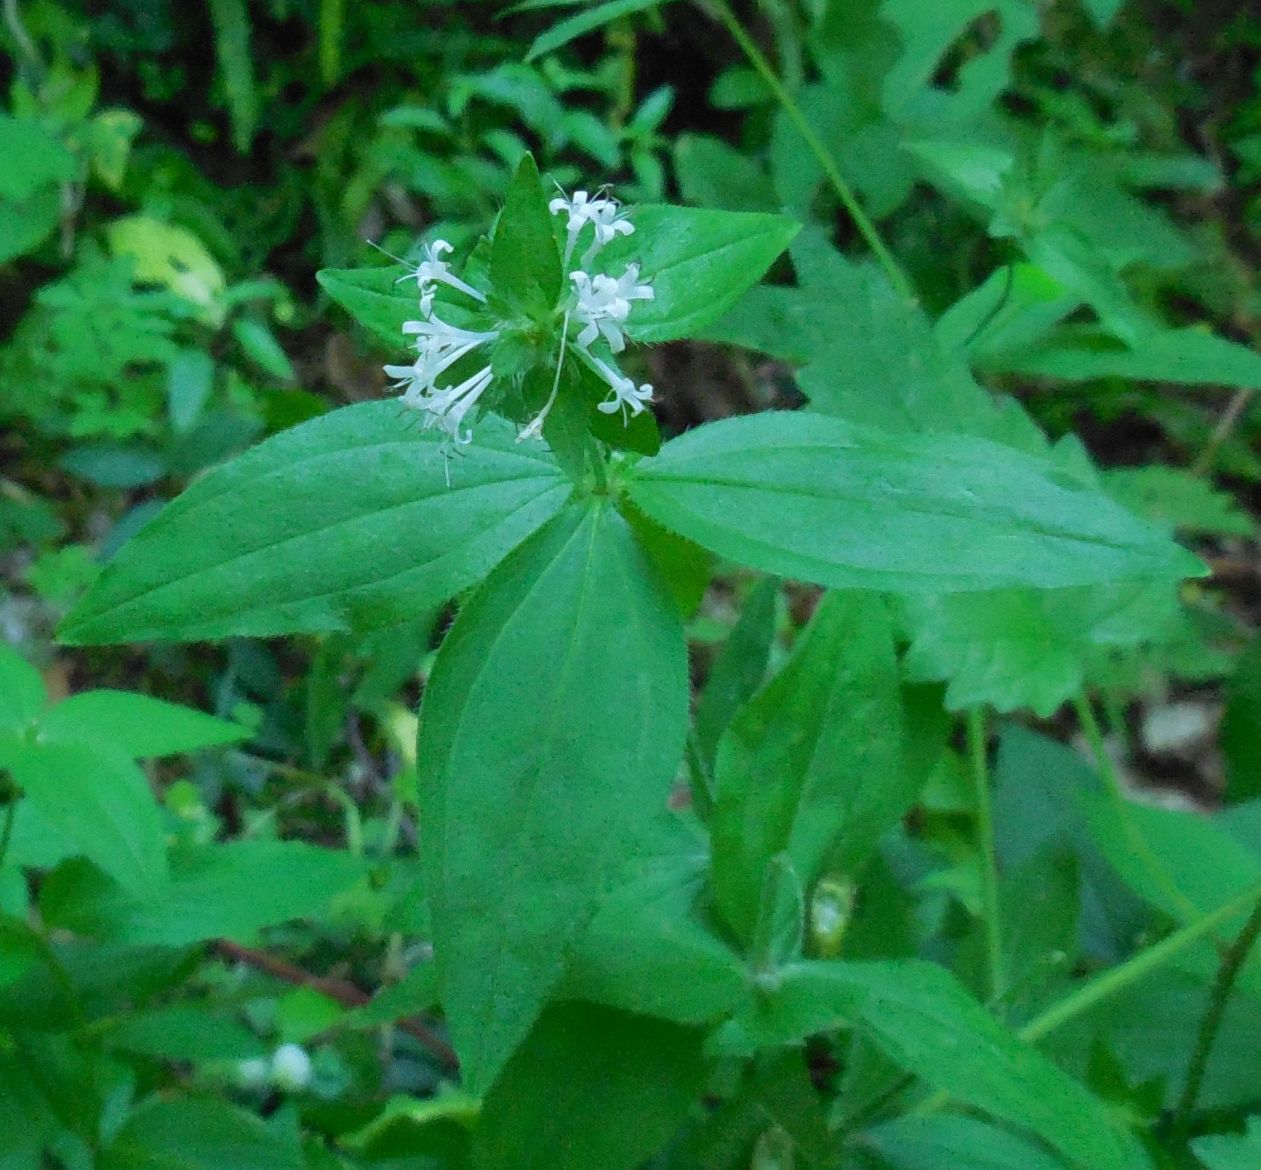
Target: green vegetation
x=629, y=585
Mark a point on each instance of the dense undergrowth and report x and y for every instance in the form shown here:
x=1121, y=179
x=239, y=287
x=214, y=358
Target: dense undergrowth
x=769, y=676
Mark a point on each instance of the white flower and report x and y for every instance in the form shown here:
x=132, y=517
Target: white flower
x=624, y=395
x=433, y=271
x=603, y=213
x=290, y=1068
x=605, y=303
x=447, y=407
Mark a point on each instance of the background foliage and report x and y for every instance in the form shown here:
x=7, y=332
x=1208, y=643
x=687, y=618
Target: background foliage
x=962, y=844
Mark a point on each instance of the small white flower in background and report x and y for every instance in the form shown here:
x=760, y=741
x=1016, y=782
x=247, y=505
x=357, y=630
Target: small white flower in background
x=253, y=1074
x=290, y=1068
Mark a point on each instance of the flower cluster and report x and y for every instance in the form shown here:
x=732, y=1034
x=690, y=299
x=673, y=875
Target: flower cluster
x=595, y=304
x=438, y=347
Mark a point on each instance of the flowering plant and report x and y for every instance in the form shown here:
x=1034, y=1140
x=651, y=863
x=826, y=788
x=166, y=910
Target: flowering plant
x=595, y=303
x=556, y=715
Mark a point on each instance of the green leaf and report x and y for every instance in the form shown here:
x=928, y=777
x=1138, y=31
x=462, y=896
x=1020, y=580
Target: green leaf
x=374, y=297
x=584, y=22
x=949, y=1143
x=217, y=891
x=190, y=1134
x=34, y=159
x=343, y=522
x=1231, y=1151
x=236, y=70
x=98, y=800
x=181, y=1031
x=1190, y=356
x=812, y=766
x=137, y=725
x=920, y=1017
x=22, y=695
x=550, y=731
x=699, y=263
x=525, y=265
x=739, y=668
x=647, y=950
x=817, y=499
x=1177, y=499
x=590, y=1087
x=1241, y=727
x=1013, y=648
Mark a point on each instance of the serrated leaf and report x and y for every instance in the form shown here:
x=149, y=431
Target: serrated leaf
x=375, y=297
x=1177, y=499
x=1014, y=648
x=815, y=498
x=525, y=266
x=699, y=263
x=920, y=1017
x=343, y=522
x=551, y=728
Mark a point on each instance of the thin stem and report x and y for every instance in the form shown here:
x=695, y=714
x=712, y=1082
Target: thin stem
x=1234, y=411
x=814, y=144
x=1182, y=905
x=991, y=911
x=6, y=833
x=1210, y=1025
x=1117, y=979
x=26, y=46
x=1109, y=983
x=344, y=993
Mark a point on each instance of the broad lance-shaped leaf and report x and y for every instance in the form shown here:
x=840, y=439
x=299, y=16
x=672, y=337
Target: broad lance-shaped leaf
x=924, y=1021
x=822, y=500
x=813, y=763
x=344, y=522
x=550, y=732
x=699, y=263
x=590, y=1087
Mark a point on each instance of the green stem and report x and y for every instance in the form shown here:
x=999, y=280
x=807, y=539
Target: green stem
x=814, y=144
x=1227, y=973
x=6, y=834
x=991, y=911
x=1182, y=906
x=1117, y=979
x=1109, y=983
